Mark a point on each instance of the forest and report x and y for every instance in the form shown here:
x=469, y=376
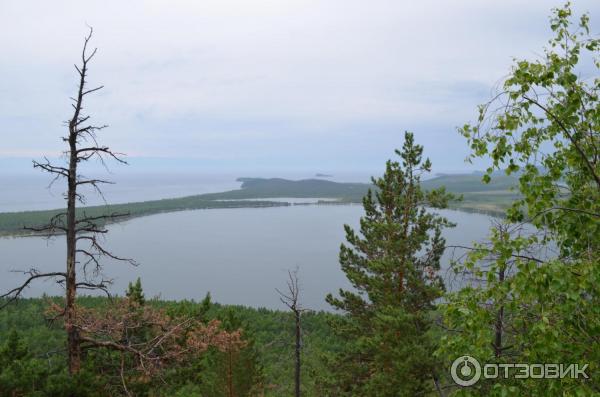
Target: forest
x=529, y=297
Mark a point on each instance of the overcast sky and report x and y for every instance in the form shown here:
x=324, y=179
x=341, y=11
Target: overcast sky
x=288, y=84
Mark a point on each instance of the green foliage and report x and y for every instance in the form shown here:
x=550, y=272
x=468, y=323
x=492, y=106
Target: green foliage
x=550, y=314
x=237, y=371
x=19, y=373
x=24, y=373
x=392, y=265
x=135, y=293
x=530, y=306
x=549, y=131
x=522, y=305
x=269, y=354
x=253, y=188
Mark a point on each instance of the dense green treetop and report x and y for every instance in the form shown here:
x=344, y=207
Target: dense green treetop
x=392, y=263
x=534, y=297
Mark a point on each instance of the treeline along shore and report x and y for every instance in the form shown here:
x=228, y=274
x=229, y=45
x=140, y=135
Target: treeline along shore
x=492, y=199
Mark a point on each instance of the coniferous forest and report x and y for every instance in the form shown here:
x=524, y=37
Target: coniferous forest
x=530, y=293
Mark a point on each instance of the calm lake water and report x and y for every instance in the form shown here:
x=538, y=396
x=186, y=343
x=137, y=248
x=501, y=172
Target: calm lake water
x=239, y=255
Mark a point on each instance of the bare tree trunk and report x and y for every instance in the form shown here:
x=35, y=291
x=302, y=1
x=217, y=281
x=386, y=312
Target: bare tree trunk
x=297, y=351
x=73, y=341
x=292, y=300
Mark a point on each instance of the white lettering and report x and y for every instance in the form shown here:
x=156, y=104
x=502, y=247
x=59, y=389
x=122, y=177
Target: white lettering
x=524, y=374
x=487, y=374
x=552, y=371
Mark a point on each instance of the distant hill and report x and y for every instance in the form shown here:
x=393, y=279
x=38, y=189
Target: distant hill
x=460, y=183
x=253, y=188
x=491, y=198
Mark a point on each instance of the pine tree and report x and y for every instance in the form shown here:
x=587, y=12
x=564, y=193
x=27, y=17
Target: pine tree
x=392, y=265
x=135, y=293
x=233, y=371
x=20, y=373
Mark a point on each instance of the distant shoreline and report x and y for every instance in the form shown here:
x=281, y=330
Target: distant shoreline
x=491, y=199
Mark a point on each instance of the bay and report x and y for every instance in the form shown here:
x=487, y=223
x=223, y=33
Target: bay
x=238, y=255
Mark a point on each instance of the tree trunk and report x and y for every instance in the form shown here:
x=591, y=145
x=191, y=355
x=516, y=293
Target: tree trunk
x=499, y=322
x=297, y=351
x=230, y=391
x=73, y=341
x=438, y=387
x=291, y=300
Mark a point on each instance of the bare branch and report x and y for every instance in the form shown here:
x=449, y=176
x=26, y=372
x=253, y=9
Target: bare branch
x=93, y=89
x=529, y=258
x=101, y=251
x=94, y=182
x=57, y=222
x=81, y=119
x=577, y=210
x=89, y=152
x=290, y=299
x=102, y=286
x=48, y=167
x=16, y=293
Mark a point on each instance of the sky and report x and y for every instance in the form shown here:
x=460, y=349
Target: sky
x=270, y=86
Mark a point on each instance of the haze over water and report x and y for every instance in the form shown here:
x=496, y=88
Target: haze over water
x=29, y=189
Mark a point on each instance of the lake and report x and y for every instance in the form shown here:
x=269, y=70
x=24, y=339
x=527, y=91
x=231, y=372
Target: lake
x=238, y=255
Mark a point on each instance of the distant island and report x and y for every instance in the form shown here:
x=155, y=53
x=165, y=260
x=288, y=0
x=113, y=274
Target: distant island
x=492, y=198
x=318, y=175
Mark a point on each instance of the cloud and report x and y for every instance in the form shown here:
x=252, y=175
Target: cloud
x=258, y=80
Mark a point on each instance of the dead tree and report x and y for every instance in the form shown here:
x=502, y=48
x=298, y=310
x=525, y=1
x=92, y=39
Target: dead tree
x=292, y=300
x=169, y=340
x=82, y=232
